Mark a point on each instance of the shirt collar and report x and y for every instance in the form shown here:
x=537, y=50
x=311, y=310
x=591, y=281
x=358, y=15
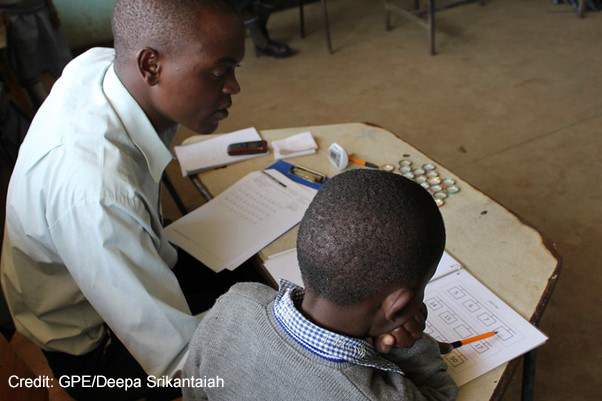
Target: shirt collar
x=319, y=341
x=153, y=146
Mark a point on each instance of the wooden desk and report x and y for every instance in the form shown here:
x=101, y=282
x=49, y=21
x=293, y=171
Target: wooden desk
x=506, y=254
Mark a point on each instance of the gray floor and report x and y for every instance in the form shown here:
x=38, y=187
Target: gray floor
x=512, y=103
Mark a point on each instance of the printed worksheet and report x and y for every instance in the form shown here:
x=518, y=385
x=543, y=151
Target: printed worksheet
x=242, y=220
x=459, y=307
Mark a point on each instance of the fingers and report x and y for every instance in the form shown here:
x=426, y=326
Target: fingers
x=424, y=311
x=415, y=326
x=445, y=348
x=384, y=343
x=404, y=336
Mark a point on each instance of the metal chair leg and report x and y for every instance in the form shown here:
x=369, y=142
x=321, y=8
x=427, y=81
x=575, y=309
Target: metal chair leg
x=301, y=19
x=582, y=6
x=326, y=26
x=172, y=191
x=431, y=22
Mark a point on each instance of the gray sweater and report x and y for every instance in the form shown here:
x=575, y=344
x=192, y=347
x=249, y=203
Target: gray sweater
x=241, y=342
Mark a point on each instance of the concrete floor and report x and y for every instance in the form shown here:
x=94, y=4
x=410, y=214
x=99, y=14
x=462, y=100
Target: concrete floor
x=512, y=104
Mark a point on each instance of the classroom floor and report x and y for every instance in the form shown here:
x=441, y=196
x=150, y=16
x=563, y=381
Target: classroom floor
x=512, y=104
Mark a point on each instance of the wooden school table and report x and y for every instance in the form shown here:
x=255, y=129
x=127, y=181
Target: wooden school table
x=504, y=253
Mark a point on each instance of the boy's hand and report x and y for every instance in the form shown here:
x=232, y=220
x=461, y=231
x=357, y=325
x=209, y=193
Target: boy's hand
x=445, y=348
x=404, y=336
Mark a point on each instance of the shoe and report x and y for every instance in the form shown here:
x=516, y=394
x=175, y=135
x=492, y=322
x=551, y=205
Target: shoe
x=273, y=49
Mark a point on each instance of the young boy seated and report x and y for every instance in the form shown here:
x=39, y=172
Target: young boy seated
x=367, y=245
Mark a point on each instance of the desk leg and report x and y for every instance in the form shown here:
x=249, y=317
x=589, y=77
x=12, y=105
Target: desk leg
x=528, y=390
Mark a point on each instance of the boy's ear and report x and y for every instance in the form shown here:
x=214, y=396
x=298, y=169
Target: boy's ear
x=394, y=304
x=148, y=65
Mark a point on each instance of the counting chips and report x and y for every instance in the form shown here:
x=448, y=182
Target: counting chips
x=428, y=177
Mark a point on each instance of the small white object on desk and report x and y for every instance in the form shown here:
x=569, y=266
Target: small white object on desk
x=337, y=156
x=211, y=153
x=297, y=145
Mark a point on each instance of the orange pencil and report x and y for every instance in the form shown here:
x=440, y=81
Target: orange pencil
x=457, y=344
x=362, y=162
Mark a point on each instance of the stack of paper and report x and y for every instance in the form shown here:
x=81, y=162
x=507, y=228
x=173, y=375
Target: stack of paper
x=212, y=153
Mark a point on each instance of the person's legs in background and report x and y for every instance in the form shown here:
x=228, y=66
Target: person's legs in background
x=255, y=16
x=36, y=46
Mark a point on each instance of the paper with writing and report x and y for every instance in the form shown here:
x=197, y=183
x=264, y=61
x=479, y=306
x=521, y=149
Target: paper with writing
x=459, y=306
x=242, y=220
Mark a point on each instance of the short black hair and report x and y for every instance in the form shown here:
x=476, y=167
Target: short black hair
x=366, y=230
x=160, y=23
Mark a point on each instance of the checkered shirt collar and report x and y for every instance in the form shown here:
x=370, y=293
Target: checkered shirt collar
x=321, y=342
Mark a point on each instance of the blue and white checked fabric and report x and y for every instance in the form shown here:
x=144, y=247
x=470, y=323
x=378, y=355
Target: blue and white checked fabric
x=321, y=342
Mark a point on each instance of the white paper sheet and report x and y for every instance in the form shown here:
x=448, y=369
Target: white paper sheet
x=242, y=220
x=284, y=265
x=212, y=153
x=459, y=307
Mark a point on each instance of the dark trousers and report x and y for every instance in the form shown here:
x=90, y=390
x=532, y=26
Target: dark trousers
x=111, y=359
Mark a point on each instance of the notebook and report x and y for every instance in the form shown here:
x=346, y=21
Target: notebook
x=211, y=153
x=459, y=306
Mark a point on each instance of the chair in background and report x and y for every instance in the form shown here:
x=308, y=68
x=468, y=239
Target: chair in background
x=326, y=23
x=416, y=14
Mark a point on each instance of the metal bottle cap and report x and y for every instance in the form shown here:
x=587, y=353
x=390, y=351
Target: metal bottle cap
x=388, y=168
x=452, y=189
x=434, y=180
